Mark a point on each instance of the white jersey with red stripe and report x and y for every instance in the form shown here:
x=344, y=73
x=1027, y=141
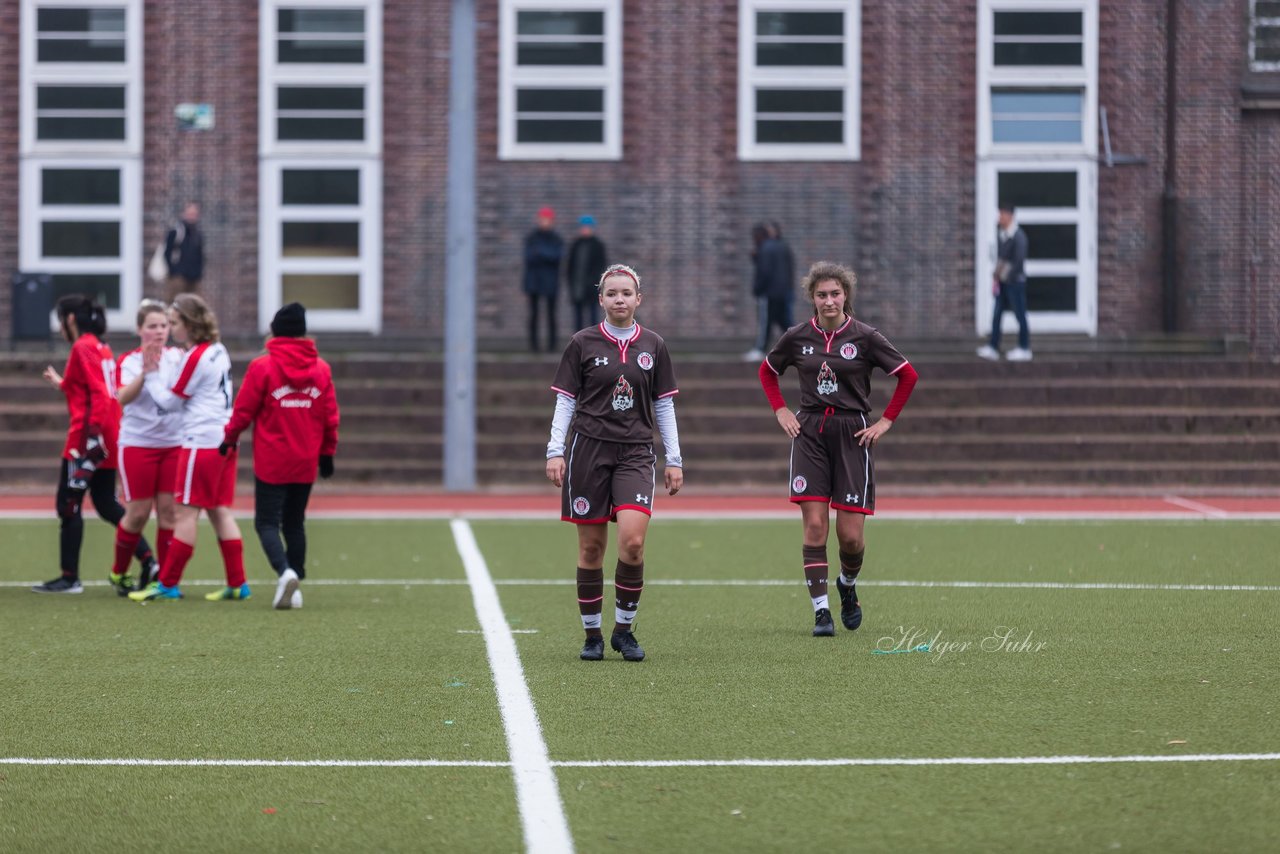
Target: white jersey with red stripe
x=202, y=391
x=147, y=424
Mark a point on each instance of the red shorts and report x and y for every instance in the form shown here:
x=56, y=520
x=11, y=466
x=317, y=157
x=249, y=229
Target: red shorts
x=205, y=478
x=146, y=471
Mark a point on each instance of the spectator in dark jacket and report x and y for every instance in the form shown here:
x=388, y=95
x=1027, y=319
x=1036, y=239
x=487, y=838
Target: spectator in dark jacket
x=184, y=253
x=775, y=280
x=587, y=261
x=543, y=250
x=1009, y=287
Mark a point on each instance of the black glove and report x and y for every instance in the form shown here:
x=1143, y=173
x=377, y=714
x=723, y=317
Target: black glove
x=326, y=465
x=85, y=463
x=225, y=448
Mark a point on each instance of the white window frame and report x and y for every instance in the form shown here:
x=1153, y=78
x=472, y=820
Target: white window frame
x=368, y=265
x=512, y=77
x=1254, y=23
x=1084, y=216
x=125, y=155
x=364, y=156
x=1081, y=157
x=1083, y=78
x=751, y=77
x=367, y=75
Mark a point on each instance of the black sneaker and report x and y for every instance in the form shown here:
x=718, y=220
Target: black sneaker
x=626, y=643
x=850, y=610
x=822, y=625
x=593, y=649
x=61, y=584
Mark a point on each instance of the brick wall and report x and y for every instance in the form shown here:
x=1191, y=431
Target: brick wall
x=9, y=58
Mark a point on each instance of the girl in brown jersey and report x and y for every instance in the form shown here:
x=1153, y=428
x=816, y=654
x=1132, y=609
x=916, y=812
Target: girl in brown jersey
x=831, y=434
x=615, y=383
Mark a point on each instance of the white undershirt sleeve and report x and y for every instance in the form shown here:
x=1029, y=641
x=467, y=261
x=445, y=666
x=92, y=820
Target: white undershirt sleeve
x=664, y=412
x=157, y=386
x=565, y=407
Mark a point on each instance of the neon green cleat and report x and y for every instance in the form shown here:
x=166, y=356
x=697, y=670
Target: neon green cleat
x=155, y=590
x=241, y=592
x=122, y=583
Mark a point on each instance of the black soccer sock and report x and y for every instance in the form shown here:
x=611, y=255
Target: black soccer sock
x=628, y=584
x=851, y=565
x=591, y=599
x=815, y=574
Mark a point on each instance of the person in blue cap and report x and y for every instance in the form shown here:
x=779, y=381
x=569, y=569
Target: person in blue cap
x=587, y=261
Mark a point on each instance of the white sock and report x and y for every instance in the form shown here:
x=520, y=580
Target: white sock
x=847, y=581
x=590, y=621
x=819, y=602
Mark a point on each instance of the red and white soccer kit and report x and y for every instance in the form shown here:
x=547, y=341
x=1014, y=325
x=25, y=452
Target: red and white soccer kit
x=204, y=394
x=149, y=433
x=89, y=383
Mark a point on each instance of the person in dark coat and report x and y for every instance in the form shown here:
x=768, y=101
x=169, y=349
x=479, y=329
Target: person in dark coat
x=1009, y=286
x=184, y=253
x=587, y=261
x=776, y=279
x=543, y=250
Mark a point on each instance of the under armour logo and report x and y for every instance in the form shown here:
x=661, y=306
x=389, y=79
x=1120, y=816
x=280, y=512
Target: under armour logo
x=852, y=499
x=808, y=351
x=643, y=499
x=602, y=360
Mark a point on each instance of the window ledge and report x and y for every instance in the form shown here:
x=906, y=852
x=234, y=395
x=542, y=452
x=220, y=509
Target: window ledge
x=1260, y=91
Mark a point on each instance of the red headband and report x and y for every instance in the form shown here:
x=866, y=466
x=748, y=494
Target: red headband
x=620, y=269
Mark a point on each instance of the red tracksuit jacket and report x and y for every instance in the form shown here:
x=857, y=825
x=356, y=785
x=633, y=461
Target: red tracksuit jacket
x=288, y=396
x=89, y=382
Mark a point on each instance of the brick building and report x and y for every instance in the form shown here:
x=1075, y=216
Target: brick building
x=879, y=134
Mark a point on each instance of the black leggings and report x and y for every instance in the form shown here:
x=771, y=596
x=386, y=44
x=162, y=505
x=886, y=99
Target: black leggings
x=102, y=490
x=277, y=507
x=550, y=304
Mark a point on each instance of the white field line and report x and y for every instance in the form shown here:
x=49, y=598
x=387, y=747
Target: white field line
x=739, y=582
x=1188, y=511
x=648, y=763
x=546, y=829
x=1197, y=506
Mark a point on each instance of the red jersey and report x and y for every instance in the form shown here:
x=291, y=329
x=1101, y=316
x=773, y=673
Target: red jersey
x=288, y=396
x=89, y=382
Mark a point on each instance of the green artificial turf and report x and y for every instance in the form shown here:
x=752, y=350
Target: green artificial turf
x=399, y=671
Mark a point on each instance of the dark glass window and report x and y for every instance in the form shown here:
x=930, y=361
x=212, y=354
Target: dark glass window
x=79, y=186
x=68, y=34
x=80, y=239
x=320, y=239
x=103, y=287
x=1051, y=293
x=80, y=112
x=320, y=36
x=1039, y=38
x=560, y=38
x=800, y=39
x=558, y=122
x=800, y=116
x=1055, y=242
x=1038, y=189
x=320, y=187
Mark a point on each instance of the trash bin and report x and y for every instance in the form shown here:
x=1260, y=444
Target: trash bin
x=32, y=304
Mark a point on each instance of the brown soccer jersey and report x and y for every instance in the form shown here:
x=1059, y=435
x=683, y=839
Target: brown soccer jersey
x=614, y=383
x=834, y=367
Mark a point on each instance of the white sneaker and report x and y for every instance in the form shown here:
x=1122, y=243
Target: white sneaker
x=991, y=354
x=285, y=588
x=297, y=599
x=1017, y=354
x=753, y=355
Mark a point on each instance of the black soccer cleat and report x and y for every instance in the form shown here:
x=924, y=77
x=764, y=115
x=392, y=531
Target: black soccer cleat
x=150, y=572
x=593, y=649
x=626, y=643
x=822, y=625
x=850, y=610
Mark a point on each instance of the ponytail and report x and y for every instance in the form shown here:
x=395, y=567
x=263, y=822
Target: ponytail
x=90, y=316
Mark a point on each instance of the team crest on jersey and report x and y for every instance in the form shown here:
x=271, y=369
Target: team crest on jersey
x=645, y=361
x=826, y=380
x=624, y=397
x=848, y=351
x=581, y=506
x=799, y=484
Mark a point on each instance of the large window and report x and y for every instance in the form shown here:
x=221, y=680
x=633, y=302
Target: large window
x=1037, y=148
x=1264, y=35
x=560, y=94
x=798, y=80
x=80, y=147
x=321, y=141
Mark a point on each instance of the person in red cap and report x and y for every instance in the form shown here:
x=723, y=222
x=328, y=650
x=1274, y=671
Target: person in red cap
x=288, y=396
x=543, y=249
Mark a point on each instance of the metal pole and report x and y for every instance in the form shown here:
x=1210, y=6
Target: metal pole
x=460, y=257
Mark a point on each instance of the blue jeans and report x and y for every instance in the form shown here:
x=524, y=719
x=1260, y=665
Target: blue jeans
x=1013, y=297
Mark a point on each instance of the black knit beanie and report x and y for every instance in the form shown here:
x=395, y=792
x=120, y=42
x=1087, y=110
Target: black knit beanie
x=290, y=321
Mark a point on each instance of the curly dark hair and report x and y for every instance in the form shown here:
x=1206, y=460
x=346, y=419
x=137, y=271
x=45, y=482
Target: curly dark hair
x=826, y=270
